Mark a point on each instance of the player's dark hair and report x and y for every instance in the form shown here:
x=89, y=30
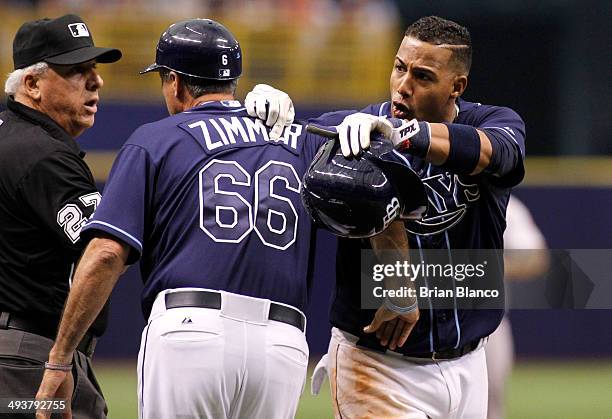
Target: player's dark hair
x=197, y=86
x=436, y=30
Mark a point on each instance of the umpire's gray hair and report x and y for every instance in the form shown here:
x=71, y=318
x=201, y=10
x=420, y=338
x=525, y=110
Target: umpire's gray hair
x=15, y=78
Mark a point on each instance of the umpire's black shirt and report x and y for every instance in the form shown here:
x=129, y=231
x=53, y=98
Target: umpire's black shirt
x=47, y=192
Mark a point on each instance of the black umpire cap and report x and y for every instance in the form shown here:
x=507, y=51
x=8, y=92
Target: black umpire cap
x=65, y=40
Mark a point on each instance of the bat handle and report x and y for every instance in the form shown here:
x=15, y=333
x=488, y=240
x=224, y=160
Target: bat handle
x=317, y=130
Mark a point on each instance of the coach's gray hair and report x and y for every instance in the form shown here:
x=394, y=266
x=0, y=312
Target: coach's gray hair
x=15, y=78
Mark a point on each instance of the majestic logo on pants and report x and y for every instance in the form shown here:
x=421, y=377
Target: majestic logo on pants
x=448, y=199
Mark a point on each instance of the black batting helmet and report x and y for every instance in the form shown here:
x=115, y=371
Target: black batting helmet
x=199, y=48
x=359, y=197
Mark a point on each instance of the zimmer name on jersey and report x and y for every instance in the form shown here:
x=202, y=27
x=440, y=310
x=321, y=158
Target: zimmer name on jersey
x=228, y=132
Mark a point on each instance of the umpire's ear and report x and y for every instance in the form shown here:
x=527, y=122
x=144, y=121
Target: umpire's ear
x=31, y=86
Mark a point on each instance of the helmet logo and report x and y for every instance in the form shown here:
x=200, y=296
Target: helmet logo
x=224, y=72
x=393, y=209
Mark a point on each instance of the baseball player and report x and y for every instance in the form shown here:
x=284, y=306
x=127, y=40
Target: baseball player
x=469, y=155
x=209, y=203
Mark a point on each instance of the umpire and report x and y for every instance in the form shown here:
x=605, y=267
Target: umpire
x=47, y=192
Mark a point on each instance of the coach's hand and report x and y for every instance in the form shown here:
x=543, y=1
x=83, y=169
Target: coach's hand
x=56, y=385
x=391, y=327
x=272, y=106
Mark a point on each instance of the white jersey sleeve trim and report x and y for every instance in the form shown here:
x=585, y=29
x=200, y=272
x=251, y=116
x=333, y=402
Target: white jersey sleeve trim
x=118, y=230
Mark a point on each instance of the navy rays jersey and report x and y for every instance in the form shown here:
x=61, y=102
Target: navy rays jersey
x=205, y=199
x=464, y=212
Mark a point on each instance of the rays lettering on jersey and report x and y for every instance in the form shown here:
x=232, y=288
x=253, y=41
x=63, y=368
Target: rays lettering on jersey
x=217, y=134
x=448, y=198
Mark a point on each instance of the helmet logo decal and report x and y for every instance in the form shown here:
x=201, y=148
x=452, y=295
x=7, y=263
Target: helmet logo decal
x=393, y=209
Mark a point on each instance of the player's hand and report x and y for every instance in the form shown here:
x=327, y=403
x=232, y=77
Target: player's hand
x=56, y=385
x=272, y=106
x=318, y=375
x=354, y=132
x=391, y=327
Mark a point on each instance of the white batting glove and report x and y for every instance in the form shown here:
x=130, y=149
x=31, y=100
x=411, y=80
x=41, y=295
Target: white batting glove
x=318, y=376
x=272, y=106
x=354, y=132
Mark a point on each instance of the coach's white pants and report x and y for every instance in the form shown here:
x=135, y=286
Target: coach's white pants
x=368, y=384
x=228, y=363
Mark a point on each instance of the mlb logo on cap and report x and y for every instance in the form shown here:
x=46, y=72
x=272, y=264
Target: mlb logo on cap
x=225, y=72
x=78, y=29
x=48, y=40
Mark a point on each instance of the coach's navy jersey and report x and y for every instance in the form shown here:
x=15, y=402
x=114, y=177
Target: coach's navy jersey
x=205, y=199
x=464, y=212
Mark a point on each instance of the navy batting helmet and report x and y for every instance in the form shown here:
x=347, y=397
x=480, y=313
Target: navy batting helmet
x=359, y=197
x=199, y=48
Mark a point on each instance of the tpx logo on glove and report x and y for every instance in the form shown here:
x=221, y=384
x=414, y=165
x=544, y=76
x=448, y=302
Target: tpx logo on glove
x=406, y=131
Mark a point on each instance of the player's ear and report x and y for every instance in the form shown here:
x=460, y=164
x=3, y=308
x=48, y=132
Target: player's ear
x=459, y=85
